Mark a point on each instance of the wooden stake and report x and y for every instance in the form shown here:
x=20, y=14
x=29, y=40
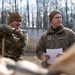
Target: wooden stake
x=3, y=46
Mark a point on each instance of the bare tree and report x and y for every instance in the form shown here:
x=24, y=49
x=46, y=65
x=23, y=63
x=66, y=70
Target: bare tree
x=45, y=13
x=32, y=18
x=39, y=14
x=28, y=12
x=2, y=11
x=66, y=11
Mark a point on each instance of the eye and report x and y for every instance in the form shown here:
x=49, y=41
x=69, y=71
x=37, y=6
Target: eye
x=58, y=17
x=18, y=20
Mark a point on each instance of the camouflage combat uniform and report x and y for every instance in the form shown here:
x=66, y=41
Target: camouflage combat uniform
x=14, y=42
x=64, y=38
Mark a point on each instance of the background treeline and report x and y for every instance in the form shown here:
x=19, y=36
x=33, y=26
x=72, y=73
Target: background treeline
x=35, y=15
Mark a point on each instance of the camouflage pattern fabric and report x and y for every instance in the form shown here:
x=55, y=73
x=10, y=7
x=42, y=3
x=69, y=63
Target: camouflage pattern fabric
x=14, y=42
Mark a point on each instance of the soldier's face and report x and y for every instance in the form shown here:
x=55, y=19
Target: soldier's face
x=56, y=20
x=16, y=24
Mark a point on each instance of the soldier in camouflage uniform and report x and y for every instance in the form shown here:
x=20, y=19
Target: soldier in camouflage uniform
x=15, y=40
x=56, y=37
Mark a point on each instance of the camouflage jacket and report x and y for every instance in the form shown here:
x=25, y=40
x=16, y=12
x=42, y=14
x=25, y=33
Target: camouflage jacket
x=64, y=38
x=14, y=42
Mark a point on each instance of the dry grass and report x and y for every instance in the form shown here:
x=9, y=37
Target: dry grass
x=30, y=56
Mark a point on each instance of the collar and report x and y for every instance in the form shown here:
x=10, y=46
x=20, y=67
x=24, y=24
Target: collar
x=50, y=30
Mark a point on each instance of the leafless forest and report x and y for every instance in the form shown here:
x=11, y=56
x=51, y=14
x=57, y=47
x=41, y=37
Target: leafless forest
x=35, y=12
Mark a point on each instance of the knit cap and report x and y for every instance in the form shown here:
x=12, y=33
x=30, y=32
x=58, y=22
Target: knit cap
x=14, y=16
x=53, y=13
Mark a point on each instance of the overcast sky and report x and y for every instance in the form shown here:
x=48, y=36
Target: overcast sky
x=31, y=2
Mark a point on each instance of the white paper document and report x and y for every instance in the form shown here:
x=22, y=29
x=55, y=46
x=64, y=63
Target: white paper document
x=53, y=54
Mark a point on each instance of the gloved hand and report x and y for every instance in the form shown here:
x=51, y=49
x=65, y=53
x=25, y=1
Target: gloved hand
x=17, y=31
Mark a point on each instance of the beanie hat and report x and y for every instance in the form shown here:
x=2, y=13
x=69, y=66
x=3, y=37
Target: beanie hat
x=53, y=13
x=14, y=16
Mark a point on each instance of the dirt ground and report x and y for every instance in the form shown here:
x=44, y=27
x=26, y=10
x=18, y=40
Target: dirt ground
x=30, y=56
